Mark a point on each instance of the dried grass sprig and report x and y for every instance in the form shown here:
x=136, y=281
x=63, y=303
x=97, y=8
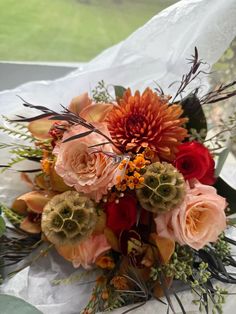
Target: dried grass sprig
x=193, y=73
x=64, y=115
x=220, y=93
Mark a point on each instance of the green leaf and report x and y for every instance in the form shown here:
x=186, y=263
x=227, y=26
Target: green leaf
x=221, y=160
x=231, y=221
x=2, y=226
x=14, y=305
x=194, y=112
x=228, y=192
x=119, y=91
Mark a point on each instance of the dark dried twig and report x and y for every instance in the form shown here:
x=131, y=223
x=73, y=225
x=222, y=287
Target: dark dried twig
x=220, y=93
x=17, y=170
x=191, y=75
x=64, y=115
x=14, y=249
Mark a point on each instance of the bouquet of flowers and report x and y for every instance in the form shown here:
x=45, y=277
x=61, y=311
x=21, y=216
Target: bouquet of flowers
x=124, y=184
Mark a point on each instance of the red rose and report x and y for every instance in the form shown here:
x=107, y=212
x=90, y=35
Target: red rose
x=121, y=216
x=194, y=160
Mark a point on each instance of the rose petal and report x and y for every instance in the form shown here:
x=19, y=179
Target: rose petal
x=41, y=181
x=101, y=223
x=96, y=112
x=80, y=102
x=86, y=252
x=158, y=290
x=40, y=128
x=67, y=251
x=19, y=206
x=30, y=227
x=112, y=239
x=92, y=174
x=35, y=200
x=56, y=182
x=198, y=220
x=166, y=247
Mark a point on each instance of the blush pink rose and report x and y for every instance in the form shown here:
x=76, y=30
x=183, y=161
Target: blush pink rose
x=85, y=253
x=86, y=169
x=198, y=220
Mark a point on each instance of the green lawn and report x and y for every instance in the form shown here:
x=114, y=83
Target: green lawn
x=69, y=30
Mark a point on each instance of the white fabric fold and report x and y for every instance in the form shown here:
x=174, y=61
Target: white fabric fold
x=155, y=52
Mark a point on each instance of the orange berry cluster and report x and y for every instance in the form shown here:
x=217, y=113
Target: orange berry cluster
x=131, y=177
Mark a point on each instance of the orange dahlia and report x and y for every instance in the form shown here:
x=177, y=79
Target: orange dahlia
x=147, y=120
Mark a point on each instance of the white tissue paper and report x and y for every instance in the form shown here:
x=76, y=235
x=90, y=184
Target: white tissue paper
x=155, y=52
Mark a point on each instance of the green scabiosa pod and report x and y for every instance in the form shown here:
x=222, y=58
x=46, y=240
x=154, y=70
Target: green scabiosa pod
x=68, y=218
x=163, y=188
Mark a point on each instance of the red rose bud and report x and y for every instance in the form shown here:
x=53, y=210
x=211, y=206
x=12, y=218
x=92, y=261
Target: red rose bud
x=194, y=161
x=122, y=215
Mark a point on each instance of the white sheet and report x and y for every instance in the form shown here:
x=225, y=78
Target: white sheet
x=155, y=52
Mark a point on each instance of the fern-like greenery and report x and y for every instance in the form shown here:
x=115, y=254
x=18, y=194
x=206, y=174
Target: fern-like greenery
x=17, y=133
x=27, y=152
x=20, y=153
x=17, y=125
x=115, y=303
x=12, y=162
x=12, y=216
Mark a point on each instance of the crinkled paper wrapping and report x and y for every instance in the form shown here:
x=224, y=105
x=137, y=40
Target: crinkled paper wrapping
x=155, y=52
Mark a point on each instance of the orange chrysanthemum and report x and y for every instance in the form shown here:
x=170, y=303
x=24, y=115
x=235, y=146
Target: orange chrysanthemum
x=147, y=120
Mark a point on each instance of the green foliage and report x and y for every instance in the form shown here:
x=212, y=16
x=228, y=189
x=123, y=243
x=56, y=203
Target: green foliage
x=96, y=301
x=20, y=153
x=119, y=91
x=101, y=93
x=224, y=71
x=2, y=226
x=12, y=162
x=231, y=221
x=12, y=216
x=20, y=126
x=27, y=152
x=14, y=305
x=195, y=272
x=217, y=296
x=74, y=278
x=228, y=192
x=222, y=247
x=195, y=114
x=179, y=267
x=76, y=31
x=201, y=275
x=195, y=135
x=16, y=133
x=219, y=299
x=115, y=301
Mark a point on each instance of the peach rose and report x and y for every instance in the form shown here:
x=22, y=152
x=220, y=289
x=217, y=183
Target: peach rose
x=86, y=169
x=84, y=107
x=85, y=253
x=197, y=221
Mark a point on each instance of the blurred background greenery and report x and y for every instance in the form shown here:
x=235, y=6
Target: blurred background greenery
x=224, y=71
x=69, y=30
